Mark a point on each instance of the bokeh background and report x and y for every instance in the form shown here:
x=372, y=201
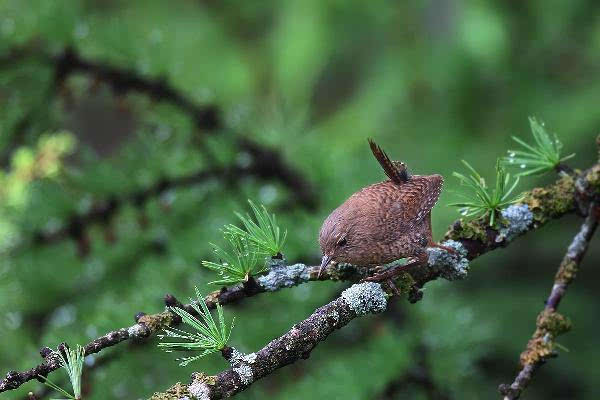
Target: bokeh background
x=294, y=86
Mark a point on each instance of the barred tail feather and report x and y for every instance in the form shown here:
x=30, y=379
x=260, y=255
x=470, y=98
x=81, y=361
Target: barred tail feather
x=394, y=170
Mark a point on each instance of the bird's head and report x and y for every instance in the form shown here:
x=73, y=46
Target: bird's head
x=341, y=237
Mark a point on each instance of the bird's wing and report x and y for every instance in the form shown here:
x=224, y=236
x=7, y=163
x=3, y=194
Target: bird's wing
x=396, y=171
x=417, y=197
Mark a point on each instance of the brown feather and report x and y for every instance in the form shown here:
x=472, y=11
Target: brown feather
x=396, y=171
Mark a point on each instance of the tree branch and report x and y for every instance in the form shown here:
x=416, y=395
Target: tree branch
x=469, y=238
x=205, y=117
x=297, y=343
x=550, y=323
x=265, y=164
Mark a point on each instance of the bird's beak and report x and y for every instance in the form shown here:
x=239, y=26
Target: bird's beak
x=324, y=262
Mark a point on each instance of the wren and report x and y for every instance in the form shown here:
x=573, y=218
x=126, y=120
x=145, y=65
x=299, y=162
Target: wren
x=383, y=222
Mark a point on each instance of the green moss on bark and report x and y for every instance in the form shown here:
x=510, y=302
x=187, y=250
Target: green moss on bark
x=592, y=177
x=175, y=392
x=551, y=201
x=549, y=325
x=566, y=272
x=472, y=230
x=154, y=322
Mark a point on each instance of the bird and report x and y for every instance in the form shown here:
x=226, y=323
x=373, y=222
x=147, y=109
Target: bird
x=383, y=222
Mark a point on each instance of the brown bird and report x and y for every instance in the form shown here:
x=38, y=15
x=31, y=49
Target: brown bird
x=383, y=222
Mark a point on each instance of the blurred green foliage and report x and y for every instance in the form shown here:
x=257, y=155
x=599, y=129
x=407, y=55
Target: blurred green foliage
x=433, y=82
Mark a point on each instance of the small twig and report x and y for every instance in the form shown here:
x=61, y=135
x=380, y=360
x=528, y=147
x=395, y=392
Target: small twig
x=563, y=168
x=103, y=211
x=550, y=323
x=266, y=164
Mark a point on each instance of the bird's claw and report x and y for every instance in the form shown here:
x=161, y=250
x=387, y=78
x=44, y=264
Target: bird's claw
x=447, y=248
x=387, y=275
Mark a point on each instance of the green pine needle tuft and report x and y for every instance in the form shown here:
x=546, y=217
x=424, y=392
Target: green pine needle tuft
x=239, y=263
x=265, y=234
x=73, y=364
x=481, y=200
x=208, y=336
x=538, y=158
x=248, y=247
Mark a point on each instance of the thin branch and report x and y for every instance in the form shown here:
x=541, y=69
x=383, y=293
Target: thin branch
x=296, y=344
x=122, y=81
x=76, y=226
x=471, y=239
x=549, y=322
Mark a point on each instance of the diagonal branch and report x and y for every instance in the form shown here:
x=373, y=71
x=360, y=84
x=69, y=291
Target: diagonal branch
x=122, y=80
x=103, y=211
x=469, y=238
x=297, y=343
x=549, y=322
x=264, y=163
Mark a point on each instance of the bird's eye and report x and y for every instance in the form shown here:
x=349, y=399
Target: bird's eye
x=342, y=242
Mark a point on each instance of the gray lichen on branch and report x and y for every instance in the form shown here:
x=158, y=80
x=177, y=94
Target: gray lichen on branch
x=516, y=219
x=281, y=275
x=365, y=298
x=449, y=266
x=242, y=364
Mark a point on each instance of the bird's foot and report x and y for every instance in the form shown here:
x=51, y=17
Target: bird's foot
x=390, y=283
x=439, y=246
x=391, y=273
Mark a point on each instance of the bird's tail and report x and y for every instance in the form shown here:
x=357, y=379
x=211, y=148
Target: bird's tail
x=396, y=171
